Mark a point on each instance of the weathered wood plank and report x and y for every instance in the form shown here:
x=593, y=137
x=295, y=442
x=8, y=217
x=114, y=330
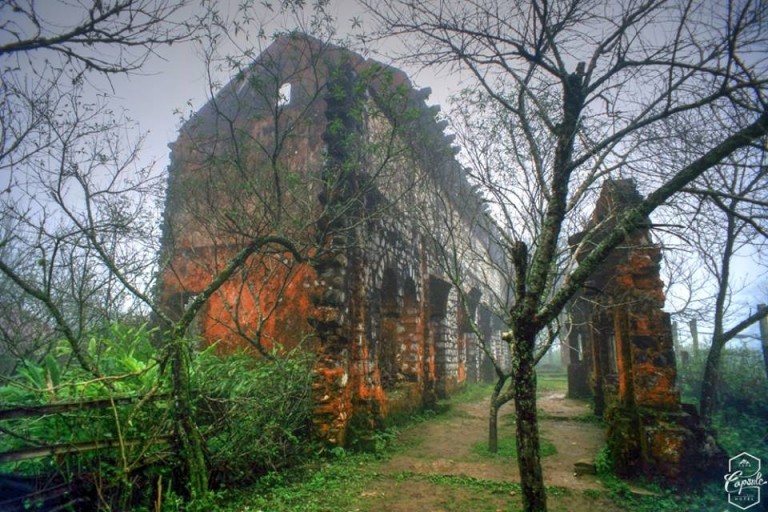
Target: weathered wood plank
x=26, y=411
x=67, y=448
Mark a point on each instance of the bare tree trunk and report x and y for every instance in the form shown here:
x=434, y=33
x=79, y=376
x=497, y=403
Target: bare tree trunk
x=526, y=421
x=189, y=442
x=493, y=414
x=676, y=339
x=710, y=381
x=694, y=336
x=493, y=430
x=764, y=336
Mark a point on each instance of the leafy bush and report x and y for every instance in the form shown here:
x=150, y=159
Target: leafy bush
x=124, y=373
x=738, y=432
x=742, y=384
x=256, y=413
x=742, y=411
x=132, y=417
x=604, y=461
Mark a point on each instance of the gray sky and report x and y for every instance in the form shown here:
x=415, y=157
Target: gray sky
x=177, y=79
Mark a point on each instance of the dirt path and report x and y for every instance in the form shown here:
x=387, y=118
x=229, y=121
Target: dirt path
x=439, y=471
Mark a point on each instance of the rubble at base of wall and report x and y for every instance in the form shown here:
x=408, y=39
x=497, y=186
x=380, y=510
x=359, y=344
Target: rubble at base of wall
x=673, y=448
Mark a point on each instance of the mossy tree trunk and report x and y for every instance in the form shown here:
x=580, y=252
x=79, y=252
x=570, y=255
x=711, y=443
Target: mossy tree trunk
x=534, y=278
x=499, y=397
x=493, y=428
x=527, y=425
x=187, y=437
x=493, y=417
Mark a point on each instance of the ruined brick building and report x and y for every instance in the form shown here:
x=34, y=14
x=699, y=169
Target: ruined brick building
x=338, y=177
x=620, y=354
x=337, y=173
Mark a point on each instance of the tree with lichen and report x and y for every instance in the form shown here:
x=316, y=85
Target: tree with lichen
x=583, y=91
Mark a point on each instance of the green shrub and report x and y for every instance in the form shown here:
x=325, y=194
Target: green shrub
x=125, y=359
x=255, y=413
x=604, y=461
x=124, y=373
x=738, y=432
x=742, y=384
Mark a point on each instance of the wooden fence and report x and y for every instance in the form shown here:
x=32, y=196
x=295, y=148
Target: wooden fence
x=39, y=411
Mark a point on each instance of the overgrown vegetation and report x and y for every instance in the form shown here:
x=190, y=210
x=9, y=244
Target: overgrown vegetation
x=257, y=414
x=254, y=416
x=742, y=384
x=739, y=424
x=741, y=410
x=642, y=497
x=126, y=408
x=321, y=485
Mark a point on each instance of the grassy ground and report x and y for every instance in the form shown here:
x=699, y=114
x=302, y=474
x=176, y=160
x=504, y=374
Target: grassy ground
x=363, y=482
x=552, y=382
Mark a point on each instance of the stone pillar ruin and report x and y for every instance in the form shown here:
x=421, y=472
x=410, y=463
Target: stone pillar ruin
x=446, y=349
x=622, y=352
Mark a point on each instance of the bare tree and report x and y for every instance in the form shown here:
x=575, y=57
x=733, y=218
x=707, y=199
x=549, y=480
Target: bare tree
x=54, y=59
x=26, y=330
x=82, y=208
x=75, y=217
x=57, y=138
x=586, y=87
x=245, y=168
x=726, y=209
x=47, y=52
x=471, y=249
x=720, y=217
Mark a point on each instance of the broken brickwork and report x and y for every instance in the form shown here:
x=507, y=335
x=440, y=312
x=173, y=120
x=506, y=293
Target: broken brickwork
x=340, y=156
x=620, y=353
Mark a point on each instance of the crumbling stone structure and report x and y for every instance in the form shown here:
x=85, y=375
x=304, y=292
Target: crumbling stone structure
x=620, y=353
x=334, y=168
